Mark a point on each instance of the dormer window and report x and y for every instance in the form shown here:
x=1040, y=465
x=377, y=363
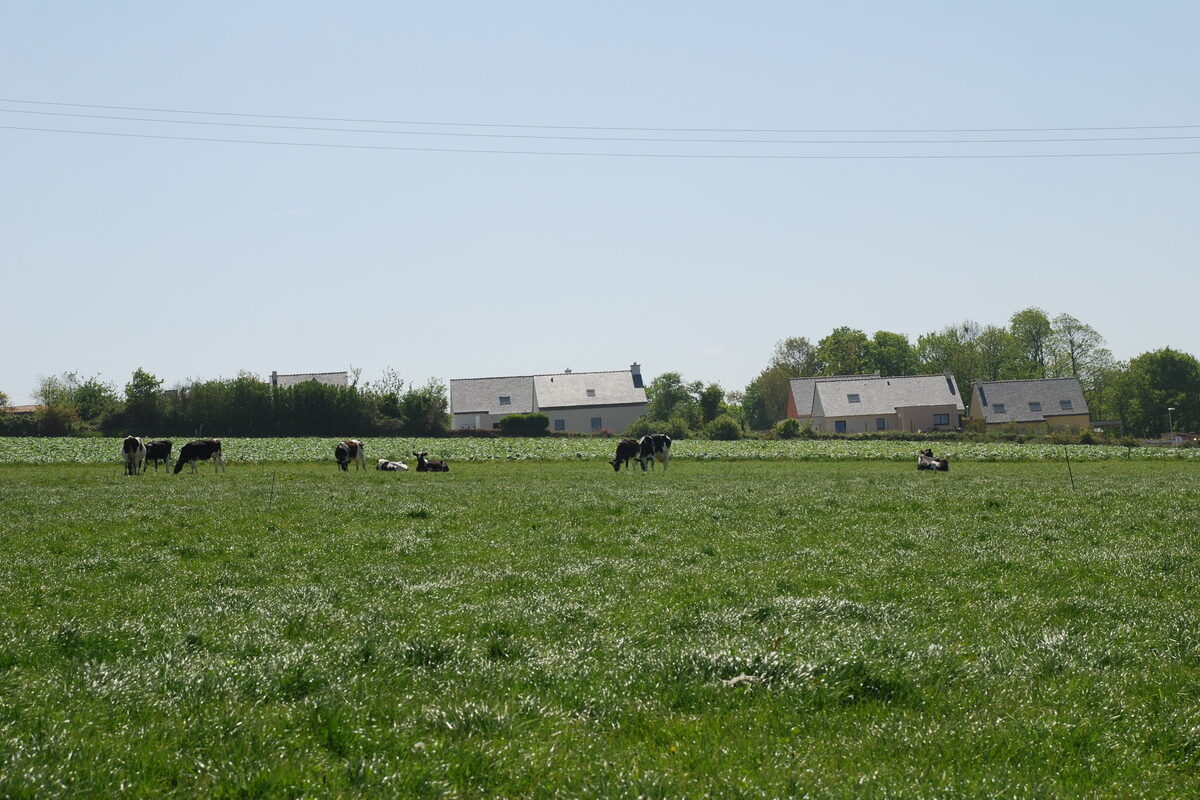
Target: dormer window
x=1035, y=406
x=591, y=392
x=1065, y=405
x=853, y=398
x=505, y=400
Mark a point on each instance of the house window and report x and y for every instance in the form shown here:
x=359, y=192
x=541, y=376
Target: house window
x=1065, y=405
x=839, y=426
x=597, y=423
x=560, y=424
x=881, y=423
x=998, y=408
x=505, y=400
x=853, y=398
x=1035, y=406
x=944, y=419
x=591, y=392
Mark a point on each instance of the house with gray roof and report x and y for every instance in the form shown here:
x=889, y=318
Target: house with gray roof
x=579, y=402
x=874, y=404
x=800, y=393
x=1029, y=406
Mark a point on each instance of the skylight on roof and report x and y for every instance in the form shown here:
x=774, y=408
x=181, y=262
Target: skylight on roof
x=1065, y=405
x=998, y=408
x=591, y=392
x=1035, y=405
x=853, y=398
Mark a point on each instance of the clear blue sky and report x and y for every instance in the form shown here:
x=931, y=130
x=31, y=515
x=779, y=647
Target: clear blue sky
x=197, y=259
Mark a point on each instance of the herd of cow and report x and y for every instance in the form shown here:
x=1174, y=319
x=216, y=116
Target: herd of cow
x=651, y=448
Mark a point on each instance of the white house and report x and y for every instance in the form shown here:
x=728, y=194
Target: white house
x=579, y=402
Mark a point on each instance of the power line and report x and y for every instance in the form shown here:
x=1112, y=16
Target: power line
x=599, y=127
x=708, y=156
x=671, y=140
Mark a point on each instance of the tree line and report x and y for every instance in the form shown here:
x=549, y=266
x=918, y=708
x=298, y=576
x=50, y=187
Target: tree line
x=1032, y=345
x=242, y=406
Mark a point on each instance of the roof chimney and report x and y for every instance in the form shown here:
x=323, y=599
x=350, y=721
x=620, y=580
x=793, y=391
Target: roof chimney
x=635, y=369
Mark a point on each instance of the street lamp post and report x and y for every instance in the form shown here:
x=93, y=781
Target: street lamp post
x=1171, y=424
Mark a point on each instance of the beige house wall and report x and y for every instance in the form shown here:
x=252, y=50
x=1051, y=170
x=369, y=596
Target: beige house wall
x=904, y=419
x=579, y=420
x=920, y=418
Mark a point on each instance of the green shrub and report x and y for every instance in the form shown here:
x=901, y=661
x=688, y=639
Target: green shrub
x=788, y=429
x=723, y=428
x=535, y=424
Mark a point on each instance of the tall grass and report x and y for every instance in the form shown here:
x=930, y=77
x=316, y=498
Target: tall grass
x=754, y=629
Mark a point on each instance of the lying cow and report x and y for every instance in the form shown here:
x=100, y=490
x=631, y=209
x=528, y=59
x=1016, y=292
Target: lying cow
x=350, y=450
x=201, y=450
x=156, y=451
x=134, y=453
x=426, y=465
x=926, y=460
x=391, y=466
x=627, y=451
x=654, y=447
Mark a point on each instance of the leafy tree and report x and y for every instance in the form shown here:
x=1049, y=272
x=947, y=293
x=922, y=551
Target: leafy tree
x=1031, y=329
x=999, y=354
x=711, y=402
x=953, y=350
x=892, y=354
x=1155, y=382
x=1076, y=349
x=90, y=398
x=143, y=401
x=668, y=396
x=3, y=401
x=795, y=356
x=845, y=351
x=425, y=409
x=765, y=400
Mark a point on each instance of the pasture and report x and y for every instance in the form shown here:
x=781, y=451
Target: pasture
x=767, y=627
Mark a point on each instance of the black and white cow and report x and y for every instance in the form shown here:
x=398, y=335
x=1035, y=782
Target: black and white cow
x=391, y=466
x=627, y=451
x=350, y=450
x=926, y=460
x=201, y=450
x=654, y=447
x=156, y=451
x=426, y=465
x=134, y=453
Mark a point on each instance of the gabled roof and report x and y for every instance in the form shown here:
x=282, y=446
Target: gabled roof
x=482, y=395
x=1016, y=397
x=802, y=390
x=583, y=389
x=879, y=395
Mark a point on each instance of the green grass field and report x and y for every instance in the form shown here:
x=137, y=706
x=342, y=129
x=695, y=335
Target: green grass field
x=768, y=628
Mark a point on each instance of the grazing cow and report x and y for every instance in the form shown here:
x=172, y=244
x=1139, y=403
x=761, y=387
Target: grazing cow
x=134, y=453
x=426, y=465
x=391, y=466
x=201, y=450
x=627, y=450
x=156, y=451
x=654, y=447
x=926, y=460
x=350, y=450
